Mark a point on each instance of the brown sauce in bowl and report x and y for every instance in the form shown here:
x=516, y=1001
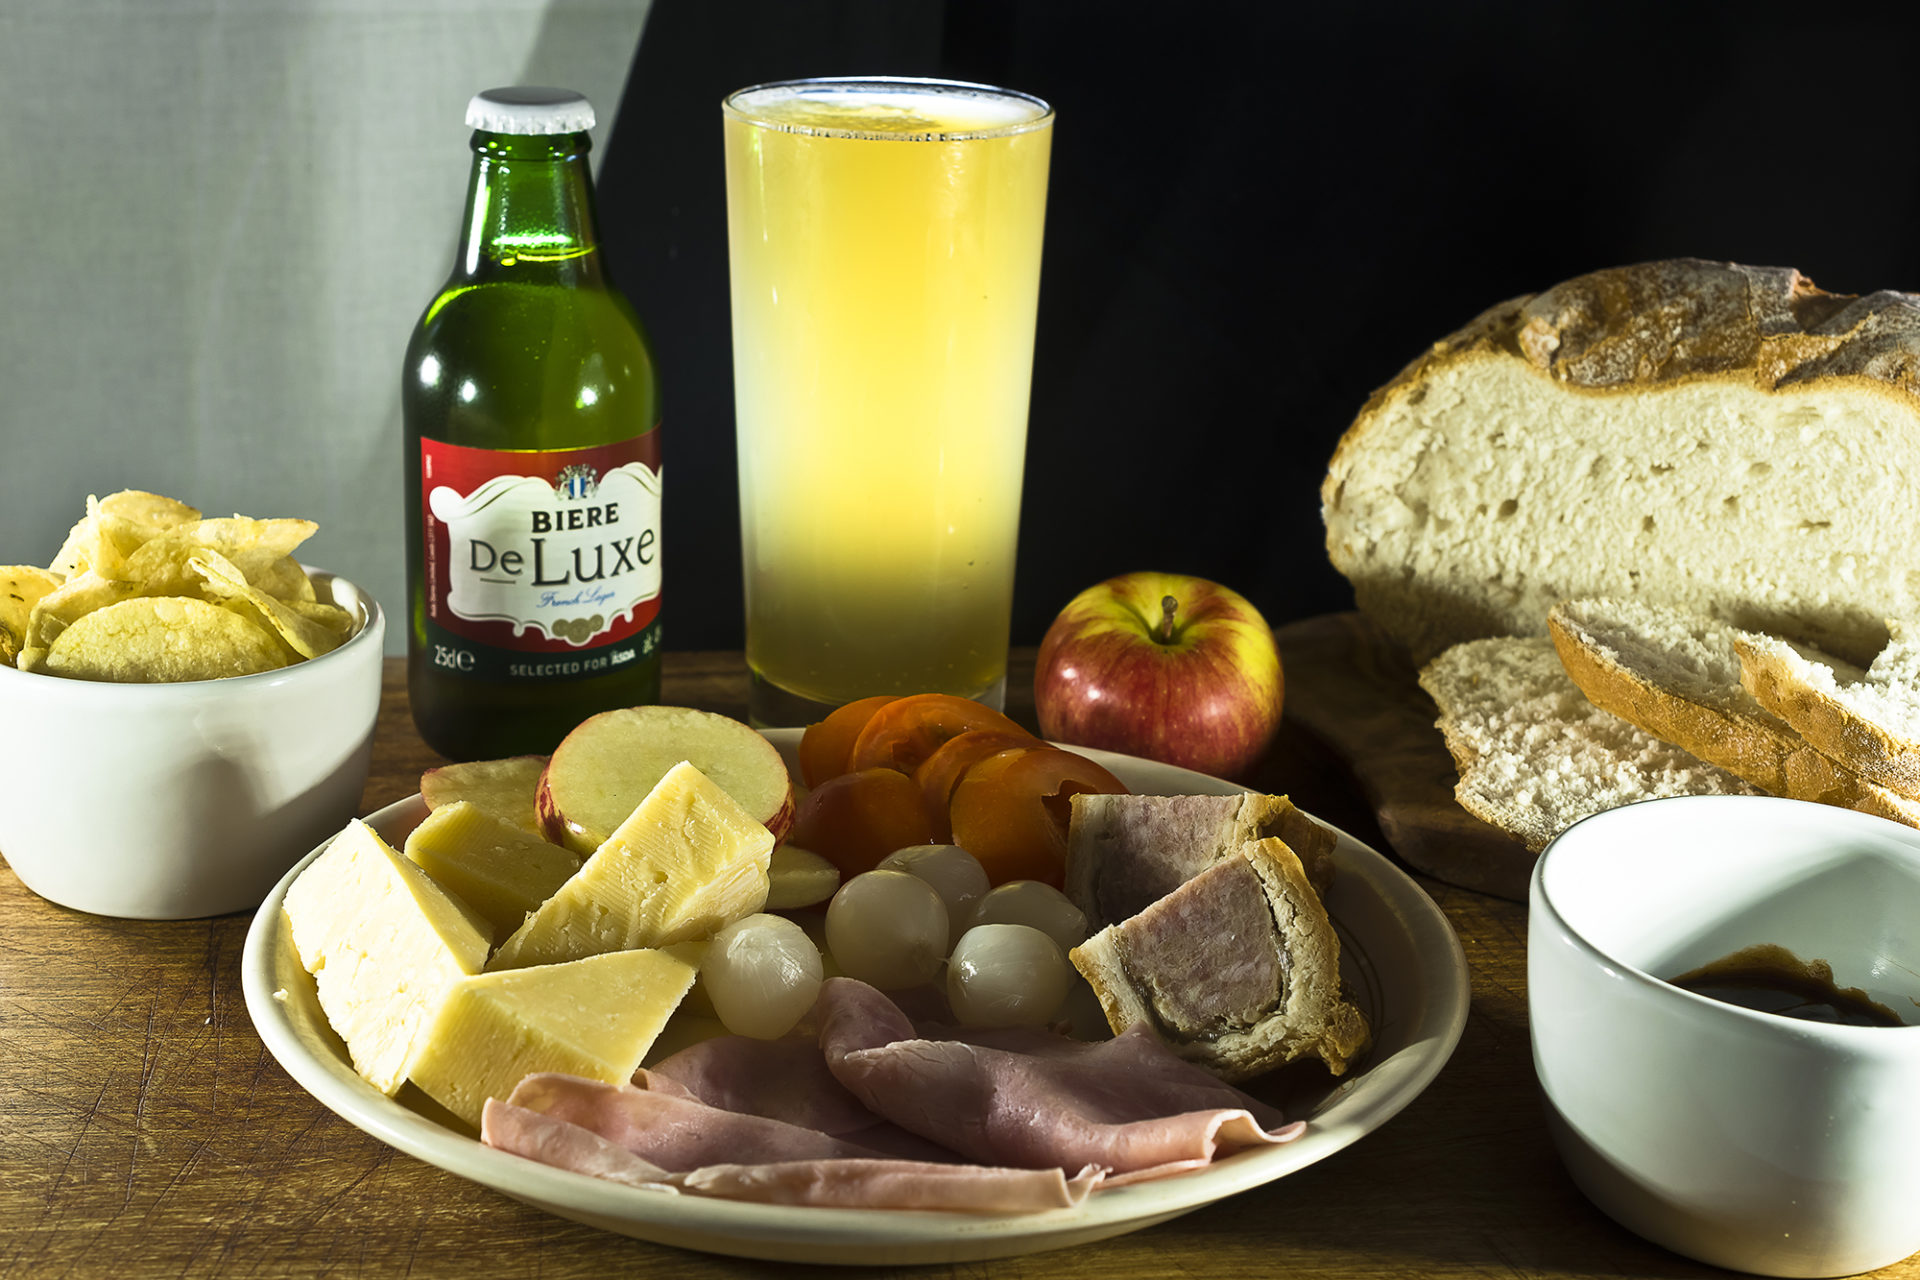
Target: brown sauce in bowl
x=1771, y=979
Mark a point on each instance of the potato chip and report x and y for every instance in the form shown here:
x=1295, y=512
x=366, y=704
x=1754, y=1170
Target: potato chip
x=55, y=611
x=286, y=580
x=159, y=593
x=330, y=616
x=92, y=547
x=150, y=640
x=306, y=637
x=260, y=549
x=114, y=527
x=21, y=587
x=148, y=512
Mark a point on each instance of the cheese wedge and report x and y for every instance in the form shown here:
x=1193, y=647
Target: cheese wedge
x=687, y=860
x=383, y=943
x=501, y=870
x=595, y=1017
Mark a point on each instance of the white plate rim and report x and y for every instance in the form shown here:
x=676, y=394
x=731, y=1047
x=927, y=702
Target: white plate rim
x=1386, y=1083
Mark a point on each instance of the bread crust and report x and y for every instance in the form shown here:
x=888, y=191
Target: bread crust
x=1758, y=746
x=1684, y=320
x=1869, y=748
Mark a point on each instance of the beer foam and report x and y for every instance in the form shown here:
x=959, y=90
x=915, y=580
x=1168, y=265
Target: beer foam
x=877, y=109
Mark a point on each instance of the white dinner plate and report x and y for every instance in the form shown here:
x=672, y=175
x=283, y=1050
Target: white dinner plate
x=1398, y=955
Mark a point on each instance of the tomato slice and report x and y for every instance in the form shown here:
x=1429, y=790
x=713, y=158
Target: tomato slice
x=825, y=746
x=1010, y=810
x=904, y=733
x=941, y=772
x=858, y=818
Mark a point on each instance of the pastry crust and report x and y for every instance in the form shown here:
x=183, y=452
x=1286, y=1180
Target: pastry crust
x=1125, y=852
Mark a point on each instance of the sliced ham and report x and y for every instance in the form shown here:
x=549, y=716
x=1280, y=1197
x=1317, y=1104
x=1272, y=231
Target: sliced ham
x=1174, y=1084
x=540, y=1131
x=675, y=1132
x=784, y=1080
x=779, y=1079
x=1125, y=1104
x=566, y=1146
x=1043, y=1119
x=897, y=1184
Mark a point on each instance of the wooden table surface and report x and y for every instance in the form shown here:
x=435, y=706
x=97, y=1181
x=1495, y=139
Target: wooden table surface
x=145, y=1130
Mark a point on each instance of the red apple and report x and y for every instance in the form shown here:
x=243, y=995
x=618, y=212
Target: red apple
x=1160, y=665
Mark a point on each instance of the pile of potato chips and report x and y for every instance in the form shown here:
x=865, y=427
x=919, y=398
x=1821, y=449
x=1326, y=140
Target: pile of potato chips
x=145, y=591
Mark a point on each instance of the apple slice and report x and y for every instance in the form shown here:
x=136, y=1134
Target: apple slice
x=508, y=789
x=607, y=766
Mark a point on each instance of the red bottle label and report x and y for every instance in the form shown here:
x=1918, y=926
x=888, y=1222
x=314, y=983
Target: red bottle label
x=541, y=564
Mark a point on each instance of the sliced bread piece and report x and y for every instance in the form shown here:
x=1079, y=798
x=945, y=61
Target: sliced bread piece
x=1237, y=970
x=1677, y=675
x=1869, y=719
x=1126, y=852
x=1535, y=756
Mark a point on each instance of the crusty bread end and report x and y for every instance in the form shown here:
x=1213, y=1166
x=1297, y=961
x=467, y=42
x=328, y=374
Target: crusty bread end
x=1869, y=719
x=1677, y=676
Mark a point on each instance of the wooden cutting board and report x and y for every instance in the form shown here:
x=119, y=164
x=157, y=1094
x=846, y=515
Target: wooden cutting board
x=1356, y=693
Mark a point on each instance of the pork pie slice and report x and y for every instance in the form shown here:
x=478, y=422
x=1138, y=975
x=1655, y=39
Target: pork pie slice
x=1125, y=853
x=1237, y=970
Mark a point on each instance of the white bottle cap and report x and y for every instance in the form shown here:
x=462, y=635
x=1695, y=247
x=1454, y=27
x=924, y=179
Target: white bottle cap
x=530, y=109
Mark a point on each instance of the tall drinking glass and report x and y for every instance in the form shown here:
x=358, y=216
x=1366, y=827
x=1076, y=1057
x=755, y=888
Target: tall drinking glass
x=885, y=255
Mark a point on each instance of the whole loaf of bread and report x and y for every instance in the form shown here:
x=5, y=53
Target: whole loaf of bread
x=1724, y=439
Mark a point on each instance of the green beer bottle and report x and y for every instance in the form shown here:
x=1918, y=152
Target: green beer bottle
x=532, y=456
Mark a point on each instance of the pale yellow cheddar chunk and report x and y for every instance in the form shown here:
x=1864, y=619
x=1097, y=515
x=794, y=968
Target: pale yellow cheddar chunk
x=687, y=860
x=383, y=943
x=499, y=869
x=595, y=1018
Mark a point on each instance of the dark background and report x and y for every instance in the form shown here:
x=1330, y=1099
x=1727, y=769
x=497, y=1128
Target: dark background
x=1257, y=214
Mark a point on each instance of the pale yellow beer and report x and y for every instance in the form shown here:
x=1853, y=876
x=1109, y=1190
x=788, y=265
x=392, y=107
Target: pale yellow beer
x=885, y=252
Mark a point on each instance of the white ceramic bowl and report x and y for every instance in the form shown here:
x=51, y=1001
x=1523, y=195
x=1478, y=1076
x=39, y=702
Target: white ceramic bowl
x=1748, y=1140
x=173, y=801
